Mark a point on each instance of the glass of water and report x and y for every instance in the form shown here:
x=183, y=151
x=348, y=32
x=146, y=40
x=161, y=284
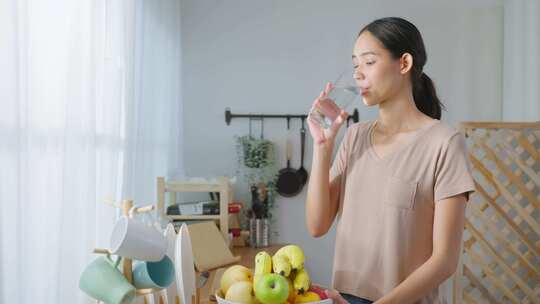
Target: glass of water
x=342, y=95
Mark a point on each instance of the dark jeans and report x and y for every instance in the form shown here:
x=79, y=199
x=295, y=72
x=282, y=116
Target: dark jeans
x=354, y=299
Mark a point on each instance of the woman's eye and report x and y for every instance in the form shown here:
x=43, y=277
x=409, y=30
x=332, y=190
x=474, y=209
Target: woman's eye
x=370, y=62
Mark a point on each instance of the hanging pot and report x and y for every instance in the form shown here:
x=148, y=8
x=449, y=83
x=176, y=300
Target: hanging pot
x=289, y=182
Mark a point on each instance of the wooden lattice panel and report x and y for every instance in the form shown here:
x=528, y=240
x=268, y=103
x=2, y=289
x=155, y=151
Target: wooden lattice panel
x=500, y=262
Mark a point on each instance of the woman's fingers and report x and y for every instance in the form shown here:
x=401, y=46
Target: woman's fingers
x=335, y=296
x=316, y=131
x=327, y=88
x=336, y=125
x=323, y=94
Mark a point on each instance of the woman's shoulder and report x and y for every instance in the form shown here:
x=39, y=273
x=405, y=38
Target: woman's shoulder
x=359, y=128
x=442, y=133
x=356, y=132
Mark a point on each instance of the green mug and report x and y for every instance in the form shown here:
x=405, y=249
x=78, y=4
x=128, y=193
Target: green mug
x=154, y=274
x=104, y=282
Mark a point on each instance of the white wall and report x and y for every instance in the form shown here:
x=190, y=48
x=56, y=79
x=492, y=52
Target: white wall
x=275, y=57
x=521, y=61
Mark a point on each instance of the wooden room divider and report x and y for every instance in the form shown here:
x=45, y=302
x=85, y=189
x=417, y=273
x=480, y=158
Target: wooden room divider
x=500, y=262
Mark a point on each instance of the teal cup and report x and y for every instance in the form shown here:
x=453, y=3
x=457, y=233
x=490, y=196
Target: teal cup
x=154, y=274
x=102, y=281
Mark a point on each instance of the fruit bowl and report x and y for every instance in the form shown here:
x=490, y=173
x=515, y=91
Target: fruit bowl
x=281, y=278
x=221, y=300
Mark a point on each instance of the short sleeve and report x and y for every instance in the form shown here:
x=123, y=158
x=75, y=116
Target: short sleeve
x=340, y=161
x=453, y=173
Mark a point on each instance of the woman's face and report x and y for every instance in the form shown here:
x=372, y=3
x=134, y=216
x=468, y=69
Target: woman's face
x=376, y=72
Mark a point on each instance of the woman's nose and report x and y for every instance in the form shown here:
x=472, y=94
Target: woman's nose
x=358, y=75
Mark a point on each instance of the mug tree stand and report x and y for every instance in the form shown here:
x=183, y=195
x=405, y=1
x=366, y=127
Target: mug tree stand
x=127, y=264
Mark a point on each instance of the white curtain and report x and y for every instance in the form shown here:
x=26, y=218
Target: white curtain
x=521, y=60
x=90, y=109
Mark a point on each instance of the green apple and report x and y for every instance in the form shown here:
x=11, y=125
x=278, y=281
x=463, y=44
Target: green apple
x=241, y=292
x=272, y=288
x=233, y=274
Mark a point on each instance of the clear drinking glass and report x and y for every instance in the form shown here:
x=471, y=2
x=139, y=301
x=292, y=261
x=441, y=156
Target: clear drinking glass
x=343, y=94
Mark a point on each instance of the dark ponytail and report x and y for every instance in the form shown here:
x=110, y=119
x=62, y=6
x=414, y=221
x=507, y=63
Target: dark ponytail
x=399, y=36
x=425, y=97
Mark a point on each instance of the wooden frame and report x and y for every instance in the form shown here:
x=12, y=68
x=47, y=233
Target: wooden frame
x=500, y=259
x=223, y=186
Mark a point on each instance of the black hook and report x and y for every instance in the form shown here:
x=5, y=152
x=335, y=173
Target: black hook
x=228, y=116
x=250, y=120
x=262, y=127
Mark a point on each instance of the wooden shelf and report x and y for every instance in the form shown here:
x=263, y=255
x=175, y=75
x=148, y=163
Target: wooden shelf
x=193, y=217
x=192, y=187
x=171, y=188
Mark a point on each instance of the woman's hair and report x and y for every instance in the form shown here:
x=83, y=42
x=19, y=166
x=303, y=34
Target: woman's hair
x=399, y=36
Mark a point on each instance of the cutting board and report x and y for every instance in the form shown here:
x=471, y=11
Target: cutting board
x=210, y=250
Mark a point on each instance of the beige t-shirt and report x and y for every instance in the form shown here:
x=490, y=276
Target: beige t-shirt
x=386, y=206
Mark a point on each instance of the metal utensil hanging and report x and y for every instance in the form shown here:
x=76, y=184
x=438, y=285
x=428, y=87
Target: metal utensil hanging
x=251, y=119
x=302, y=172
x=289, y=182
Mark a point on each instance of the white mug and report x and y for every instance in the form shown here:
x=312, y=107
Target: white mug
x=133, y=239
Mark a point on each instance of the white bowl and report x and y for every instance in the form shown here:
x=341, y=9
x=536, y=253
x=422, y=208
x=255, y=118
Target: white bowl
x=220, y=300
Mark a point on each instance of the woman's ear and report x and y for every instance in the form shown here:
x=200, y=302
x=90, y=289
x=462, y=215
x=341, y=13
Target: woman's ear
x=405, y=63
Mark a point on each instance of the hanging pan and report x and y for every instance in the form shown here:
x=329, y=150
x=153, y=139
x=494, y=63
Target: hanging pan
x=289, y=182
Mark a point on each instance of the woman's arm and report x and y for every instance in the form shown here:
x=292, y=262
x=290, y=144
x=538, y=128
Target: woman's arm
x=447, y=232
x=323, y=191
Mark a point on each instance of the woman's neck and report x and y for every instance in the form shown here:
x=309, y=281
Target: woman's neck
x=400, y=114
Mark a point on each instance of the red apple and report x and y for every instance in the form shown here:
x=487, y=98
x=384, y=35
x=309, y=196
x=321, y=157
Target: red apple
x=319, y=291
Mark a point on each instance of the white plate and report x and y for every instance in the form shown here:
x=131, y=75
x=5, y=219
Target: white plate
x=170, y=235
x=223, y=301
x=185, y=267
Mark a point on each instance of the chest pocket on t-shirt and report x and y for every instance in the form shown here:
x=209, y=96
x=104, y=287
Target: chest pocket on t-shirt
x=400, y=193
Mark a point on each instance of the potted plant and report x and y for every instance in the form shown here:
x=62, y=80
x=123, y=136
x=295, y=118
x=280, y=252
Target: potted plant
x=256, y=152
x=256, y=164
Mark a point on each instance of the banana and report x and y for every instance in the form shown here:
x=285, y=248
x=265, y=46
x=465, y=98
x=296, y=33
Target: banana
x=295, y=255
x=292, y=292
x=256, y=278
x=263, y=265
x=281, y=265
x=301, y=281
x=307, y=297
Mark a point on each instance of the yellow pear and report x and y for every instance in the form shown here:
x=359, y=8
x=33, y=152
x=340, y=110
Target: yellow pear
x=241, y=292
x=233, y=274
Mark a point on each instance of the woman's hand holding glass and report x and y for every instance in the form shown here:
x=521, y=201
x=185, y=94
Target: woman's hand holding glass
x=323, y=105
